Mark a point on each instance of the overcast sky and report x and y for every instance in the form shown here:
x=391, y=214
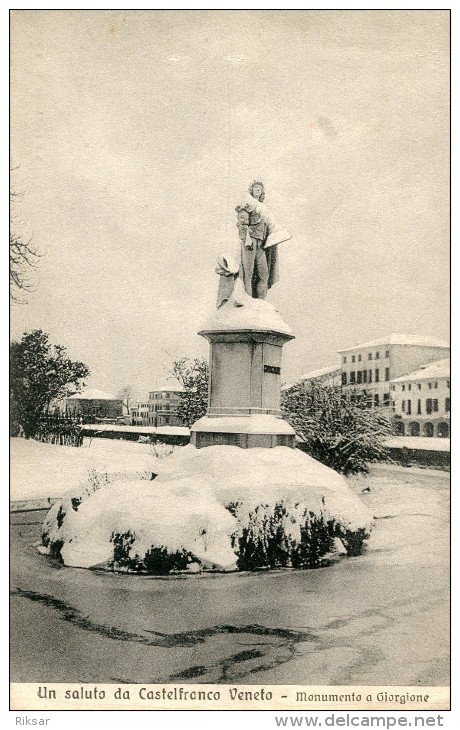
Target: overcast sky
x=136, y=132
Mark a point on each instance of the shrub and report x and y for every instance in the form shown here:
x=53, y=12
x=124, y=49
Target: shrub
x=58, y=431
x=122, y=559
x=158, y=561
x=337, y=428
x=282, y=536
x=55, y=548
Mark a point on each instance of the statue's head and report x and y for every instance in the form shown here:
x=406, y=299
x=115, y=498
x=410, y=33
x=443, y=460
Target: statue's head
x=257, y=190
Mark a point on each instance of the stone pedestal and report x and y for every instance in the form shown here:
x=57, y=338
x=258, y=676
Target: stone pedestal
x=245, y=378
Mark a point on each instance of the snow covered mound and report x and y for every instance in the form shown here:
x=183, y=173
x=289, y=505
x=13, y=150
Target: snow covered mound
x=220, y=507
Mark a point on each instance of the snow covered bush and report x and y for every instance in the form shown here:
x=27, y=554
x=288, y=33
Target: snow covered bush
x=217, y=508
x=157, y=560
x=281, y=536
x=338, y=428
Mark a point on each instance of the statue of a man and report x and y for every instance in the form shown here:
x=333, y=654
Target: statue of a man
x=259, y=235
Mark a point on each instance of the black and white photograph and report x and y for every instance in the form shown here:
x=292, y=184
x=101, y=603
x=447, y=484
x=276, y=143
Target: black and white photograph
x=230, y=359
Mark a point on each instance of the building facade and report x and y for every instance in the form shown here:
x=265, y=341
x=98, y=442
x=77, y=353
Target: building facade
x=421, y=401
x=371, y=367
x=139, y=413
x=163, y=405
x=94, y=404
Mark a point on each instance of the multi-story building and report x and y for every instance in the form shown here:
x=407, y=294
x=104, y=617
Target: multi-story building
x=372, y=366
x=421, y=400
x=95, y=404
x=163, y=404
x=139, y=413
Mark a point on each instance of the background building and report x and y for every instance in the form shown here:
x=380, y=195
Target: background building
x=370, y=367
x=328, y=376
x=162, y=407
x=94, y=404
x=421, y=401
x=139, y=413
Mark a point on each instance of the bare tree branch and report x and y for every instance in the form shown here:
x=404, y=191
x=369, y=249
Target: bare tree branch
x=23, y=260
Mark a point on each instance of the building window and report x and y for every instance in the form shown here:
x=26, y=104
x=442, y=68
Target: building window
x=376, y=400
x=377, y=355
x=364, y=376
x=352, y=377
x=436, y=384
x=429, y=386
x=344, y=360
x=387, y=373
x=403, y=387
x=386, y=399
x=370, y=376
x=419, y=386
x=448, y=383
x=393, y=387
x=409, y=407
x=419, y=407
x=387, y=353
x=377, y=376
x=359, y=358
x=403, y=406
x=369, y=356
x=393, y=406
x=435, y=405
x=447, y=405
x=353, y=358
x=429, y=405
x=409, y=387
x=359, y=377
x=344, y=378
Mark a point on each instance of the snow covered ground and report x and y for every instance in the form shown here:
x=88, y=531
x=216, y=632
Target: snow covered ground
x=378, y=619
x=215, y=504
x=41, y=470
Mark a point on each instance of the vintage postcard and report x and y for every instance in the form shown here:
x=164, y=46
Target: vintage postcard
x=230, y=360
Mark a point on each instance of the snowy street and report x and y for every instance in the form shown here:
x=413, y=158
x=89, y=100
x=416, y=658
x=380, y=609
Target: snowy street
x=381, y=618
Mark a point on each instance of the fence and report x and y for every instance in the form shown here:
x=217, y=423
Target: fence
x=61, y=430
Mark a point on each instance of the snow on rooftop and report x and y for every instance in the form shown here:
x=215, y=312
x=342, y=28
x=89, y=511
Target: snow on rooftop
x=400, y=339
x=321, y=372
x=172, y=388
x=93, y=394
x=438, y=369
x=423, y=443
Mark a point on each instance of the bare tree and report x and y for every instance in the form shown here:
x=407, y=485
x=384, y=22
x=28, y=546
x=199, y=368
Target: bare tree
x=124, y=394
x=23, y=260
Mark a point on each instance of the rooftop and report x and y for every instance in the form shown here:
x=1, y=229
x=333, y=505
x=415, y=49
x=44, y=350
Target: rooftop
x=168, y=388
x=322, y=371
x=93, y=394
x=400, y=339
x=438, y=369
